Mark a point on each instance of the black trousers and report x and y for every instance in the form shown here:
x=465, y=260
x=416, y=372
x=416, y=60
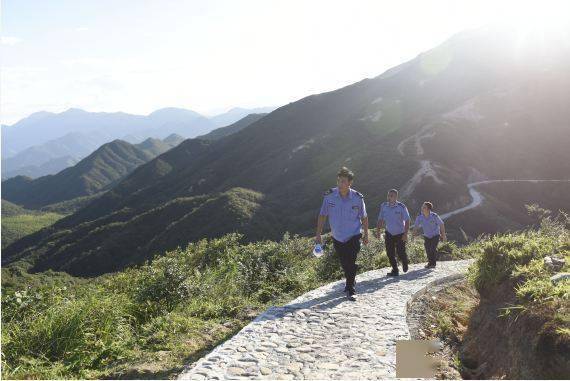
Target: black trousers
x=347, y=252
x=430, y=245
x=395, y=244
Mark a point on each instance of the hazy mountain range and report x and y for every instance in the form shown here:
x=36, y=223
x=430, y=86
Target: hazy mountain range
x=97, y=172
x=77, y=185
x=483, y=105
x=44, y=143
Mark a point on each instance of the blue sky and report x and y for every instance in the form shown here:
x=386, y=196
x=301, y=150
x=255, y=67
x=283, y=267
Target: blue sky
x=209, y=56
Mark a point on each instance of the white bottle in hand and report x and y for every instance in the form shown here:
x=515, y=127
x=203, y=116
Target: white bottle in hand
x=318, y=250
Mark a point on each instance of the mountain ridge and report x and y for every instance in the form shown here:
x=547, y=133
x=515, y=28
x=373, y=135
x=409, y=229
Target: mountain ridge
x=290, y=156
x=80, y=135
x=97, y=172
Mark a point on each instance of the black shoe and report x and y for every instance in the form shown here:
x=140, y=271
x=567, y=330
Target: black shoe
x=350, y=296
x=393, y=273
x=432, y=266
x=428, y=266
x=405, y=267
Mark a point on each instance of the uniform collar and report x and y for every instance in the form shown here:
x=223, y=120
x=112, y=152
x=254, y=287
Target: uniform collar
x=350, y=193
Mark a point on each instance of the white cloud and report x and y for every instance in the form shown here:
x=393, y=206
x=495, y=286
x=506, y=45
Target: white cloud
x=10, y=41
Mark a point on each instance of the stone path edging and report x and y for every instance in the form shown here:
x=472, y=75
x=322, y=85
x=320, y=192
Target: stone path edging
x=322, y=335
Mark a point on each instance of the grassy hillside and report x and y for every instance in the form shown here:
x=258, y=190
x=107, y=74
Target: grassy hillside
x=71, y=206
x=18, y=226
x=510, y=320
x=521, y=308
x=126, y=242
x=18, y=222
x=11, y=209
x=147, y=321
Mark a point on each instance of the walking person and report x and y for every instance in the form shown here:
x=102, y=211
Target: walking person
x=395, y=218
x=433, y=230
x=348, y=221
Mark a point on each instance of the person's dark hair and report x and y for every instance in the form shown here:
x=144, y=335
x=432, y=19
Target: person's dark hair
x=345, y=172
x=394, y=191
x=429, y=205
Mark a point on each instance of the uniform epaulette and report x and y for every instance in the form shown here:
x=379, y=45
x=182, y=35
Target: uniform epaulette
x=329, y=191
x=359, y=194
x=400, y=203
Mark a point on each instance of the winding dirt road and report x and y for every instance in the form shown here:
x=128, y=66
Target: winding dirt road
x=428, y=169
x=477, y=198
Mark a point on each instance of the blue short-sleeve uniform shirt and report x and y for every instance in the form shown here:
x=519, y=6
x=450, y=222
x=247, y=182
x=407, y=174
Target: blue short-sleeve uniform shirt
x=345, y=213
x=394, y=216
x=429, y=224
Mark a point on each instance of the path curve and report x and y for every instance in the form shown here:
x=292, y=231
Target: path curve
x=477, y=198
x=322, y=335
x=427, y=169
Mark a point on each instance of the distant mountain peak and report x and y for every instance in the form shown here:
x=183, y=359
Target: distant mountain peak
x=112, y=144
x=34, y=117
x=170, y=109
x=74, y=110
x=40, y=114
x=173, y=139
x=173, y=113
x=149, y=142
x=234, y=109
x=174, y=136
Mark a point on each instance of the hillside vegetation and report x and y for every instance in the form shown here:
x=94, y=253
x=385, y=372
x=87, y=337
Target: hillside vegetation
x=408, y=128
x=147, y=321
x=16, y=227
x=18, y=222
x=510, y=319
x=96, y=173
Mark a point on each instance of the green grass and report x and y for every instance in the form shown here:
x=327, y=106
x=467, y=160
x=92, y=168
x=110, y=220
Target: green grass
x=17, y=226
x=519, y=258
x=11, y=209
x=148, y=321
x=510, y=282
x=511, y=270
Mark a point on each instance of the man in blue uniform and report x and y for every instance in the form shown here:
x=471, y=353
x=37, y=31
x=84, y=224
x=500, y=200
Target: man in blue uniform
x=394, y=217
x=433, y=229
x=349, y=222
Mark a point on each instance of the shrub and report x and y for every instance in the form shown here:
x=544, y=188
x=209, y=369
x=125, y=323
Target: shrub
x=183, y=301
x=62, y=332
